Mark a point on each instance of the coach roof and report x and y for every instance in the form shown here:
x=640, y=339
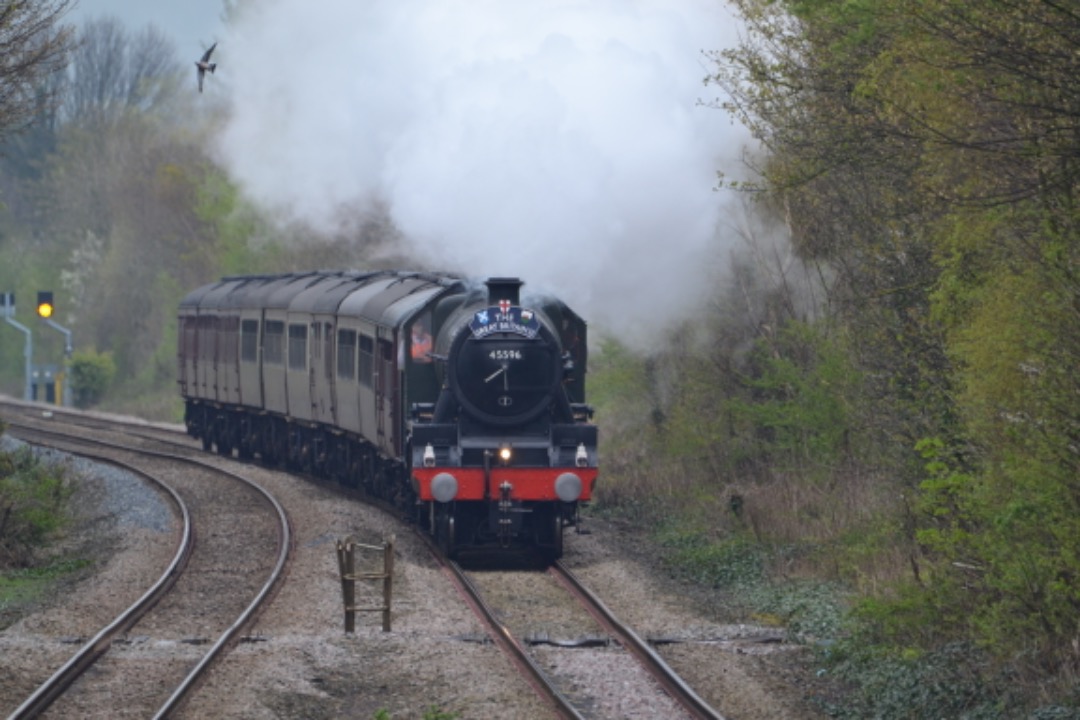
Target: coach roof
x=391, y=299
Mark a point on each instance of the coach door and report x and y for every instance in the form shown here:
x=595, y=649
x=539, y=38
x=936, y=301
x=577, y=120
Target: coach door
x=386, y=389
x=322, y=373
x=315, y=348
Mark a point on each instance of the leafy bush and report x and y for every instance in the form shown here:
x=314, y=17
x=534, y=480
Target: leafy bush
x=32, y=502
x=726, y=564
x=737, y=565
x=91, y=375
x=889, y=684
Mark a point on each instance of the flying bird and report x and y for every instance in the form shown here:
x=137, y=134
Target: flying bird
x=204, y=64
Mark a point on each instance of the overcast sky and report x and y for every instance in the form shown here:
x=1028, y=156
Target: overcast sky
x=192, y=24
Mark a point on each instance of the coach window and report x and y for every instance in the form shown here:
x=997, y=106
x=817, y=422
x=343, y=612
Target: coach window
x=274, y=343
x=423, y=384
x=298, y=347
x=346, y=354
x=367, y=360
x=249, y=341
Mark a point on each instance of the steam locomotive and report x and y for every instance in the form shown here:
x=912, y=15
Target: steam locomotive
x=456, y=401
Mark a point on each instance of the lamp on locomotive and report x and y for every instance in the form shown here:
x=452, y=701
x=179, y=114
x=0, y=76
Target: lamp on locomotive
x=45, y=305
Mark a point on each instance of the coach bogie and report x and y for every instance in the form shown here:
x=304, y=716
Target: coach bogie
x=249, y=436
x=271, y=439
x=318, y=451
x=336, y=464
x=298, y=449
x=224, y=433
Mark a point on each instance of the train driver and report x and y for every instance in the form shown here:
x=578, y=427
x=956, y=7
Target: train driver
x=421, y=341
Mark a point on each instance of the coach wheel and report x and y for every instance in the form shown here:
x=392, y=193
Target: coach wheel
x=269, y=442
x=445, y=531
x=550, y=545
x=367, y=473
x=245, y=440
x=294, y=450
x=354, y=472
x=557, y=536
x=205, y=429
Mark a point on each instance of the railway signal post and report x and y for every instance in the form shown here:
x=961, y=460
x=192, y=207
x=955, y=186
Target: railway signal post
x=45, y=310
x=8, y=308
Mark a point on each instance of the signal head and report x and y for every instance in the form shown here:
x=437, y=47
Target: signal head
x=45, y=305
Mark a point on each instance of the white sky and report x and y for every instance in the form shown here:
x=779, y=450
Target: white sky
x=192, y=24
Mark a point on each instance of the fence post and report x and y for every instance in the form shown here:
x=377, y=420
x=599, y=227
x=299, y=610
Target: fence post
x=348, y=580
x=388, y=580
x=349, y=576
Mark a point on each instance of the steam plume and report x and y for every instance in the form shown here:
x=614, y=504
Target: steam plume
x=558, y=141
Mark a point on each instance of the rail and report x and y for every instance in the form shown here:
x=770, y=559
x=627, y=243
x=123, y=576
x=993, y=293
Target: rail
x=86, y=657
x=653, y=663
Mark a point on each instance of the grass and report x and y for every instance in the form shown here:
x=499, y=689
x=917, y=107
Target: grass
x=156, y=406
x=19, y=588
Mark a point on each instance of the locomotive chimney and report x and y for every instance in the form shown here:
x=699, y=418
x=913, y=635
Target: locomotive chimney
x=504, y=289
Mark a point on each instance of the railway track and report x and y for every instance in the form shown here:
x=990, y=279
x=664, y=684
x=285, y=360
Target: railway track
x=168, y=434
x=509, y=604
x=202, y=601
x=544, y=654
x=659, y=670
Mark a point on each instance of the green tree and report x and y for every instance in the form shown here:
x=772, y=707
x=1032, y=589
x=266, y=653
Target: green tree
x=927, y=151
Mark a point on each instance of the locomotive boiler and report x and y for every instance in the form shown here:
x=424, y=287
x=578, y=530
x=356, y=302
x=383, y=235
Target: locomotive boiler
x=454, y=399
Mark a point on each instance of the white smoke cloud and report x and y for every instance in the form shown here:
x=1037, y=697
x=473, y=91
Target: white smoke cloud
x=558, y=141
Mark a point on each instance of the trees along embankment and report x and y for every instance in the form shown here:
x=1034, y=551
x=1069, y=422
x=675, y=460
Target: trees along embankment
x=926, y=152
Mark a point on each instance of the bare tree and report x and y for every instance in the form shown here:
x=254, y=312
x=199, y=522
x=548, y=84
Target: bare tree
x=112, y=71
x=33, y=47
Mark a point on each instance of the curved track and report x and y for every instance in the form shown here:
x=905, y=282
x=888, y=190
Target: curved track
x=564, y=701
x=181, y=595
x=99, y=644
